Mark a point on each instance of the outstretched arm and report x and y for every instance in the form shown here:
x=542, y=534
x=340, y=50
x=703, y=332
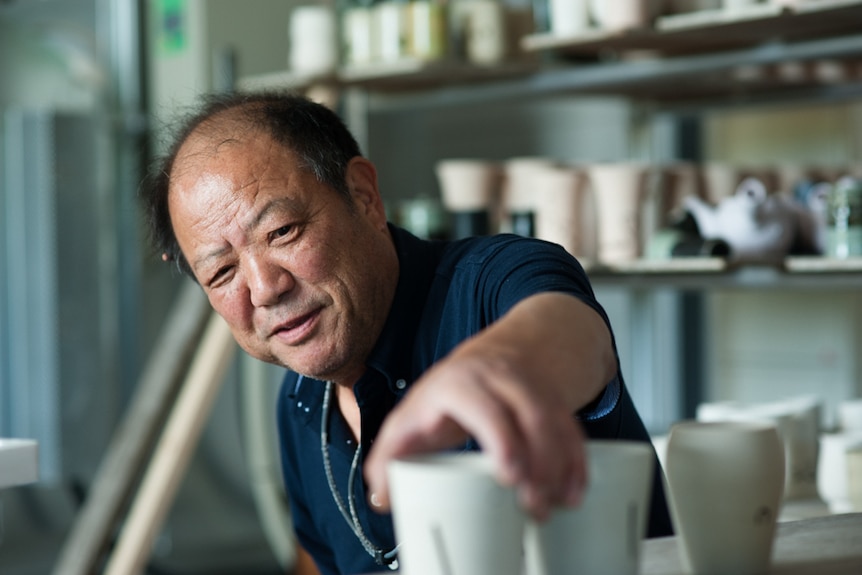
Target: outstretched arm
x=514, y=388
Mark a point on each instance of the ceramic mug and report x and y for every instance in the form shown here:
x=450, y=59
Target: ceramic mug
x=602, y=536
x=725, y=481
x=452, y=517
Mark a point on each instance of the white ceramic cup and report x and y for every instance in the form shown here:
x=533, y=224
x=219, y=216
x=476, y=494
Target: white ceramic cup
x=832, y=471
x=798, y=422
x=357, y=30
x=850, y=416
x=487, y=40
x=313, y=40
x=452, y=517
x=569, y=17
x=725, y=481
x=602, y=536
x=390, y=30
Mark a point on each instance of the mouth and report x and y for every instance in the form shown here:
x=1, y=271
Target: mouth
x=296, y=329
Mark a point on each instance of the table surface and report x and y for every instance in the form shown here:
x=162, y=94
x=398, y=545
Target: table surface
x=830, y=545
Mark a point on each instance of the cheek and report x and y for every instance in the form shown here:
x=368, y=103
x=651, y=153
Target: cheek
x=233, y=307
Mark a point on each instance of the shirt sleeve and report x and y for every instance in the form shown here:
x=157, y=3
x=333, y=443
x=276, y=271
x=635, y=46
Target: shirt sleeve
x=536, y=266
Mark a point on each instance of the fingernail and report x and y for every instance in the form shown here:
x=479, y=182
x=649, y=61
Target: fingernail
x=375, y=500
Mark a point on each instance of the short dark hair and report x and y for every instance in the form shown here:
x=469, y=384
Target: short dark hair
x=317, y=135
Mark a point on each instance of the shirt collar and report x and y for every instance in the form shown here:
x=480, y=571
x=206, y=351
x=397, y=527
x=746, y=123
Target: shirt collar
x=393, y=353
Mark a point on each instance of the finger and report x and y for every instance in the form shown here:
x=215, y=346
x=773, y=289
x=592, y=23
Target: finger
x=556, y=458
x=421, y=424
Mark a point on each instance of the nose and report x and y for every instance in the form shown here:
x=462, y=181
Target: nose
x=267, y=281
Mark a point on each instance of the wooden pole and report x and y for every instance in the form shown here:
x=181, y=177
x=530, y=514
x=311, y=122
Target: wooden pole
x=174, y=450
x=133, y=441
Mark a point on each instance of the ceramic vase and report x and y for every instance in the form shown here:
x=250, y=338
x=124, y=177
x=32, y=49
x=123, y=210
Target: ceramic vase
x=798, y=423
x=725, y=481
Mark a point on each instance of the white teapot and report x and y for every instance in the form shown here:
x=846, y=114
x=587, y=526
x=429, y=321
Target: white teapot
x=758, y=226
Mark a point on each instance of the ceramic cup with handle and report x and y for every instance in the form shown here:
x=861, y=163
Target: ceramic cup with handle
x=602, y=536
x=452, y=517
x=726, y=482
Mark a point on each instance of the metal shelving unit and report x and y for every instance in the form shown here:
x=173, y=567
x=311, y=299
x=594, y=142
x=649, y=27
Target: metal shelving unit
x=683, y=63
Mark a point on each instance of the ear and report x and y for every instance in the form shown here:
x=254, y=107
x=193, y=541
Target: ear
x=361, y=177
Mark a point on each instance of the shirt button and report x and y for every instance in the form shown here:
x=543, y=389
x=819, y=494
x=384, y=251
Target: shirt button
x=400, y=384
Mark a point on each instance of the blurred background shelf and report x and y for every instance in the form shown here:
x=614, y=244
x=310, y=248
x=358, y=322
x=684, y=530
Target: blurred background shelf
x=794, y=273
x=712, y=30
x=696, y=59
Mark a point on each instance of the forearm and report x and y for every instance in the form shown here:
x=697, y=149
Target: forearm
x=513, y=388
x=559, y=346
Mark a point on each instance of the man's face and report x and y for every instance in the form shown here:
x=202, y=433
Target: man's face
x=303, y=277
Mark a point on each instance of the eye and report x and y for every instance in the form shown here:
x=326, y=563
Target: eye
x=285, y=232
x=282, y=231
x=219, y=276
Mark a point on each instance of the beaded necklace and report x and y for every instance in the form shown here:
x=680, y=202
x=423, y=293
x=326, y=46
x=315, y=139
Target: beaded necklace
x=381, y=557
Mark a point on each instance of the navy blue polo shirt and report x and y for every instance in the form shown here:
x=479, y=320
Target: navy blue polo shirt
x=447, y=292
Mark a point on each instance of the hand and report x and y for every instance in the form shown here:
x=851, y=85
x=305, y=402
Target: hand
x=529, y=431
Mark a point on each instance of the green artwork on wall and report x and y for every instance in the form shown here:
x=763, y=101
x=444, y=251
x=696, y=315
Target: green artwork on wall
x=171, y=25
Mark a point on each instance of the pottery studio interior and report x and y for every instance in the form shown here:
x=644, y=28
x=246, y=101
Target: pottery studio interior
x=702, y=159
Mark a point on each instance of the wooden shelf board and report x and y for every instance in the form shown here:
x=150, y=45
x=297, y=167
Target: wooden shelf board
x=712, y=30
x=807, y=272
x=402, y=75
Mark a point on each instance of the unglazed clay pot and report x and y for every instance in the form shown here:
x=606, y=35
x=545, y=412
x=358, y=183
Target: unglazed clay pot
x=470, y=191
x=559, y=204
x=620, y=15
x=618, y=190
x=520, y=191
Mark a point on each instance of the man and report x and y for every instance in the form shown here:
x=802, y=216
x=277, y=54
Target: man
x=394, y=345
